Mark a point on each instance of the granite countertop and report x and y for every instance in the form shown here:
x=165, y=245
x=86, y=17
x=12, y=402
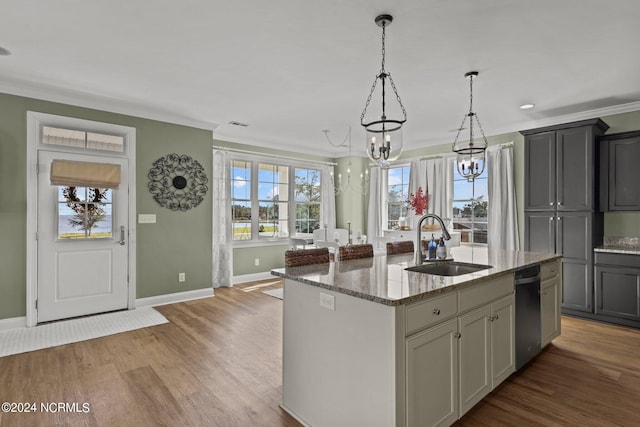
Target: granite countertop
x=383, y=278
x=620, y=245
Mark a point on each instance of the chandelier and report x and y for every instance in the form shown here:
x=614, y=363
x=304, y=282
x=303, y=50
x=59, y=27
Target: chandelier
x=470, y=155
x=384, y=135
x=340, y=187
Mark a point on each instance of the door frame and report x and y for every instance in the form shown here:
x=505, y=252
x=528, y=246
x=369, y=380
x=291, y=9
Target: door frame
x=35, y=121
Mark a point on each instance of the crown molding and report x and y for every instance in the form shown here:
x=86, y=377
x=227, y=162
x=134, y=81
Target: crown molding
x=85, y=100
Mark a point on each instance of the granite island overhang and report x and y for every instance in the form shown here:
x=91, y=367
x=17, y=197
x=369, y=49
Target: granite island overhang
x=385, y=280
x=366, y=342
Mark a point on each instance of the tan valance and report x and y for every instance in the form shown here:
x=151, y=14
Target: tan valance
x=85, y=174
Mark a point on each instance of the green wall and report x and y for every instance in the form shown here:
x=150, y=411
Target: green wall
x=181, y=241
x=178, y=242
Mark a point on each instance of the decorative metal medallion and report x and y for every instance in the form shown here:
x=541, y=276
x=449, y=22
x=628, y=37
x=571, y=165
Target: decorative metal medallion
x=177, y=182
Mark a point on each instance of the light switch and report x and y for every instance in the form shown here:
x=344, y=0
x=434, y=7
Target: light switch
x=146, y=218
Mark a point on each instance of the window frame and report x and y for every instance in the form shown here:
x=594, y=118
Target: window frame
x=474, y=199
x=387, y=204
x=292, y=165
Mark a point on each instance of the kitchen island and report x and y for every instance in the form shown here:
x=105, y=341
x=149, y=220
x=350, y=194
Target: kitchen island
x=367, y=342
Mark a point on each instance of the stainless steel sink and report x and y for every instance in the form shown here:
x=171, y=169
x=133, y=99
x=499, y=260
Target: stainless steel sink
x=448, y=268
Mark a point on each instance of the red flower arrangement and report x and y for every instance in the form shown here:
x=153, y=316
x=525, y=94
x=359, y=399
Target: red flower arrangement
x=418, y=202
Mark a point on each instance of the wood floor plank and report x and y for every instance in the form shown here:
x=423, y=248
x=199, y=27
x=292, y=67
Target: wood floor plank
x=218, y=362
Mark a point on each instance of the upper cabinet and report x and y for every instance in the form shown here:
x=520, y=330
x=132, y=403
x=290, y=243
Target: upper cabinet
x=619, y=159
x=560, y=166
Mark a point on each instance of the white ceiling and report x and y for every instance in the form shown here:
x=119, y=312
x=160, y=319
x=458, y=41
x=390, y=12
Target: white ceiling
x=292, y=68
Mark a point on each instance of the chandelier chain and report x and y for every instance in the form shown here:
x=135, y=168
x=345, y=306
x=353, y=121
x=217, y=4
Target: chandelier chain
x=373, y=88
x=393, y=86
x=383, y=48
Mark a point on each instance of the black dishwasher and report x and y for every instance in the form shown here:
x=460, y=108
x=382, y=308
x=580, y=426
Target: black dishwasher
x=528, y=329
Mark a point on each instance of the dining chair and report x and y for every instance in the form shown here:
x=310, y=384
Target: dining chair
x=355, y=251
x=297, y=243
x=400, y=247
x=295, y=258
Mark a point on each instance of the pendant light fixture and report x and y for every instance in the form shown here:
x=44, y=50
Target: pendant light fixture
x=471, y=154
x=384, y=135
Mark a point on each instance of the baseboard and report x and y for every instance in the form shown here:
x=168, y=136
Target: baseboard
x=13, y=323
x=265, y=275
x=175, y=297
x=294, y=415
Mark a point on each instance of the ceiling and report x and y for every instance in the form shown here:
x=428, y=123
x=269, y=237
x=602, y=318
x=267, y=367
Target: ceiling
x=293, y=68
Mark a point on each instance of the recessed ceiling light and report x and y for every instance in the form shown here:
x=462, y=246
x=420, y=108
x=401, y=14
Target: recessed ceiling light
x=527, y=106
x=4, y=52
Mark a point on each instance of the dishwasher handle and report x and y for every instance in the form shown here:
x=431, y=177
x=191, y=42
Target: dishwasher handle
x=526, y=280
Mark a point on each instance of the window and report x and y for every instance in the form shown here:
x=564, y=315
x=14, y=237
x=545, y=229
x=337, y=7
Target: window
x=307, y=200
x=397, y=195
x=84, y=213
x=273, y=200
x=470, y=204
x=261, y=200
x=82, y=139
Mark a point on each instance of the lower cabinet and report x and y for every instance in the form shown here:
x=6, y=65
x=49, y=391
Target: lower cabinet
x=432, y=376
x=617, y=286
x=486, y=346
x=550, y=301
x=452, y=365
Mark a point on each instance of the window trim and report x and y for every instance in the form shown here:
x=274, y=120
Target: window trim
x=292, y=165
x=473, y=199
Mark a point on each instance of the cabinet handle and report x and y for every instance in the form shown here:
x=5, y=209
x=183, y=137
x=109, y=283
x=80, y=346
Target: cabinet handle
x=550, y=203
x=457, y=335
x=492, y=318
x=436, y=311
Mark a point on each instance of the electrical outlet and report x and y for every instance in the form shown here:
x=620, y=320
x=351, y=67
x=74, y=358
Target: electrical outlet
x=257, y=261
x=328, y=301
x=182, y=277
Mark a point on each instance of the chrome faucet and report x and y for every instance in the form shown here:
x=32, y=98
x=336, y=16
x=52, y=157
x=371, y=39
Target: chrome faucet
x=445, y=234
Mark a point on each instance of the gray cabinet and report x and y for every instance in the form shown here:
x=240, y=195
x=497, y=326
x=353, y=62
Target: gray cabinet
x=560, y=166
x=617, y=286
x=570, y=234
x=561, y=183
x=619, y=159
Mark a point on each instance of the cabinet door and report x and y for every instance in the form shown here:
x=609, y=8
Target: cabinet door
x=574, y=242
x=618, y=291
x=540, y=171
x=432, y=376
x=502, y=320
x=575, y=168
x=475, y=357
x=623, y=188
x=550, y=309
x=540, y=232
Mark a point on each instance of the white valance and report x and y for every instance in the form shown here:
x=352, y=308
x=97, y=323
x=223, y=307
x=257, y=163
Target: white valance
x=85, y=174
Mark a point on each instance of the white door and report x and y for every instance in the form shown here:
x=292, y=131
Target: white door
x=82, y=243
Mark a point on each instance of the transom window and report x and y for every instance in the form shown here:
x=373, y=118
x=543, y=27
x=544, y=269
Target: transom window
x=470, y=207
x=81, y=139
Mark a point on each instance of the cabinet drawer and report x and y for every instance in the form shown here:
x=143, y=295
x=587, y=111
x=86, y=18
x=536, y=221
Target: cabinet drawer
x=482, y=293
x=426, y=313
x=549, y=269
x=623, y=260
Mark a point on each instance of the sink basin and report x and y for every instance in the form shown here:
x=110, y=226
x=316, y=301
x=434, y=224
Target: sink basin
x=448, y=268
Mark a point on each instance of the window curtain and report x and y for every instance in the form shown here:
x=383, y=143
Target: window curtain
x=328, y=205
x=440, y=186
x=502, y=224
x=377, y=213
x=417, y=178
x=222, y=233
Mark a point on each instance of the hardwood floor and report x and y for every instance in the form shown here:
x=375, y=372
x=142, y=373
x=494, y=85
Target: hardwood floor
x=589, y=376
x=218, y=363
